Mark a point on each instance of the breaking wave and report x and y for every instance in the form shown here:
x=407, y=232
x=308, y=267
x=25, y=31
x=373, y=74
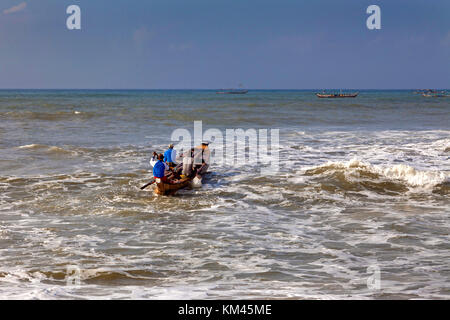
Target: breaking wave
x=47, y=149
x=400, y=175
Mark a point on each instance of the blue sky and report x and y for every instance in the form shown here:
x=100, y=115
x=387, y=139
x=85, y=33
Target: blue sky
x=283, y=44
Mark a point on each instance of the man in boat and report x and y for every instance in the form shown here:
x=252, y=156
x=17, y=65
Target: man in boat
x=170, y=156
x=201, y=158
x=167, y=181
x=188, y=160
x=159, y=169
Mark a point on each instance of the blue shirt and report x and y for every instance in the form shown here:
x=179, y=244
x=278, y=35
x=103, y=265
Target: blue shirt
x=158, y=169
x=168, y=156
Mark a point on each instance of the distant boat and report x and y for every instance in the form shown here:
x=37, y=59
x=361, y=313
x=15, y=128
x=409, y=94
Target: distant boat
x=432, y=93
x=336, y=95
x=436, y=94
x=233, y=91
x=422, y=91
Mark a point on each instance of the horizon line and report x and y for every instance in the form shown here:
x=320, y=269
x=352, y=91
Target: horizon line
x=206, y=89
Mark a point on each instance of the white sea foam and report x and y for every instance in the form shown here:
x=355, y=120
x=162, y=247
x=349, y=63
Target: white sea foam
x=406, y=173
x=49, y=149
x=32, y=146
x=241, y=235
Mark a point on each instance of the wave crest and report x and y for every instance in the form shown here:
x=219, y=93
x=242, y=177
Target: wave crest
x=357, y=169
x=48, y=149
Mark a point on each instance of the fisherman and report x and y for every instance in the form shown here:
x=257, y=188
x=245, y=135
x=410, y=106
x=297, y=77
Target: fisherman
x=170, y=156
x=187, y=162
x=201, y=158
x=159, y=169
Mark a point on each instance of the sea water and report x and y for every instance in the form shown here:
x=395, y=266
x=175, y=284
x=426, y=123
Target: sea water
x=363, y=185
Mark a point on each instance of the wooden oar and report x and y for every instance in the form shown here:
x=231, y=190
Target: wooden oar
x=143, y=187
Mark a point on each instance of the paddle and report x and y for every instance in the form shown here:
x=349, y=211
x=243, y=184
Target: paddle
x=143, y=187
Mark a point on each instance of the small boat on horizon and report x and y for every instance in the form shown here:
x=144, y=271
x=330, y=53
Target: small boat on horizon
x=233, y=91
x=432, y=93
x=422, y=91
x=337, y=95
x=441, y=94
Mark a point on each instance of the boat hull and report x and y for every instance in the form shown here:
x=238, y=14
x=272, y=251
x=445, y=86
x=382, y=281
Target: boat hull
x=332, y=96
x=166, y=189
x=170, y=188
x=435, y=95
x=232, y=92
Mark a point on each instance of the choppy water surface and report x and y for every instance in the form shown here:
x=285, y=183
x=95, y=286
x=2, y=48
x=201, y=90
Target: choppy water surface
x=363, y=183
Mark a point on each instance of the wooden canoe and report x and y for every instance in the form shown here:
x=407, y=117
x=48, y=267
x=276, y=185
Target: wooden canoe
x=337, y=95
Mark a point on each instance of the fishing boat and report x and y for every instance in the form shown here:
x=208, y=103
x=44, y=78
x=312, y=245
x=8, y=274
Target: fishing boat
x=233, y=91
x=171, y=186
x=435, y=94
x=422, y=91
x=336, y=95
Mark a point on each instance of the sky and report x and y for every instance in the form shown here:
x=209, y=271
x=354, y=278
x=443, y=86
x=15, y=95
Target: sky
x=210, y=44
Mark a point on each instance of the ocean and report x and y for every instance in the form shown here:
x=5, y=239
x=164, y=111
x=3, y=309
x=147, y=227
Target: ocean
x=359, y=208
